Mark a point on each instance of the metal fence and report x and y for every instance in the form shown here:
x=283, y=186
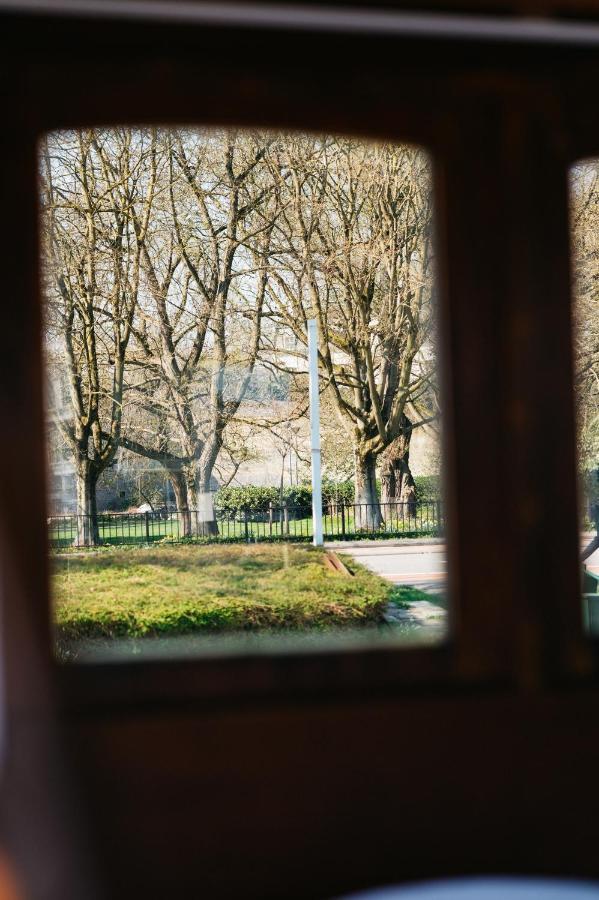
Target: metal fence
x=341, y=521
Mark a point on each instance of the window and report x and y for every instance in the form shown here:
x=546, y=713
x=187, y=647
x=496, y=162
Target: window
x=584, y=195
x=182, y=269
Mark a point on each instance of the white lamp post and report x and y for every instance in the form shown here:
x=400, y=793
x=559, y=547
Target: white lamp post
x=315, y=432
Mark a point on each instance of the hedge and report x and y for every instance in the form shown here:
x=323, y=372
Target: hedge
x=256, y=499
x=428, y=487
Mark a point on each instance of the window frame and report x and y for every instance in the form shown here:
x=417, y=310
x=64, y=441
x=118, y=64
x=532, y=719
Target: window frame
x=491, y=642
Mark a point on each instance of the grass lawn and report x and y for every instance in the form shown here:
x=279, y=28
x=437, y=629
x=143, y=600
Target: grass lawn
x=174, y=590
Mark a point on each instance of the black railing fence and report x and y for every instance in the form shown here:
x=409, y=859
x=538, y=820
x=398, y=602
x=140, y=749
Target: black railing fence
x=341, y=521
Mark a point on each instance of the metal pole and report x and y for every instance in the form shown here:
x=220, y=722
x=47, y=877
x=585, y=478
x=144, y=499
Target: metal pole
x=315, y=433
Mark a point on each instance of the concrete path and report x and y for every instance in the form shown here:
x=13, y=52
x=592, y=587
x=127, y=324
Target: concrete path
x=418, y=563
x=421, y=564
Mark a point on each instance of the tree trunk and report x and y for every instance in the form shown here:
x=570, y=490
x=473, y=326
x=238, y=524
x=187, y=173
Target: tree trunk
x=367, y=507
x=388, y=486
x=87, y=513
x=203, y=518
x=180, y=489
x=397, y=482
x=406, y=490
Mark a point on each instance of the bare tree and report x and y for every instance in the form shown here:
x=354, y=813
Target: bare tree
x=97, y=193
x=336, y=443
x=165, y=249
x=204, y=262
x=353, y=250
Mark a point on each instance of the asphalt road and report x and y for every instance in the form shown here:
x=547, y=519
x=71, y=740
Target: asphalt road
x=420, y=565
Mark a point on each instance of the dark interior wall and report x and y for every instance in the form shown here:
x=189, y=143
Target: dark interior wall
x=311, y=799
x=303, y=777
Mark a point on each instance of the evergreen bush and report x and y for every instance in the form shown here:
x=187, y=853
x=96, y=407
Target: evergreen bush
x=428, y=487
x=249, y=498
x=255, y=499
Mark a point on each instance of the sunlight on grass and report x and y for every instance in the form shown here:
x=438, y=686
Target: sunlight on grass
x=183, y=590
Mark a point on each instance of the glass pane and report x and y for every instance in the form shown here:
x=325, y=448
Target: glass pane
x=584, y=195
x=182, y=269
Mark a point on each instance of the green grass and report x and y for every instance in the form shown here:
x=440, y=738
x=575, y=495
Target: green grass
x=175, y=590
x=402, y=595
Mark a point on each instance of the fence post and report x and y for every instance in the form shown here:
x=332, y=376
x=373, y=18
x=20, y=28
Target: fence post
x=270, y=515
x=343, y=519
x=439, y=516
x=286, y=517
x=245, y=525
x=147, y=515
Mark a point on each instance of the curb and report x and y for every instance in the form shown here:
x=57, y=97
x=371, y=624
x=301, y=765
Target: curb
x=382, y=543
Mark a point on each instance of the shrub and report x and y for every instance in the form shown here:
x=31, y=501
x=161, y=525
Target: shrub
x=299, y=498
x=255, y=499
x=338, y=491
x=428, y=487
x=250, y=498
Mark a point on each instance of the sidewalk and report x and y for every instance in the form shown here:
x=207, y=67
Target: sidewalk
x=385, y=544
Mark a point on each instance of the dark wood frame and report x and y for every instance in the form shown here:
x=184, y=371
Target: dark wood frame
x=305, y=775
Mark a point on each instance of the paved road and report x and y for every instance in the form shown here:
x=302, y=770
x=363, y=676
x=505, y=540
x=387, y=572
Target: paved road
x=421, y=565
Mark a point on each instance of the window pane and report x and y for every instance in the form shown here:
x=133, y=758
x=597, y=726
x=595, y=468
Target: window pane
x=182, y=269
x=584, y=189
